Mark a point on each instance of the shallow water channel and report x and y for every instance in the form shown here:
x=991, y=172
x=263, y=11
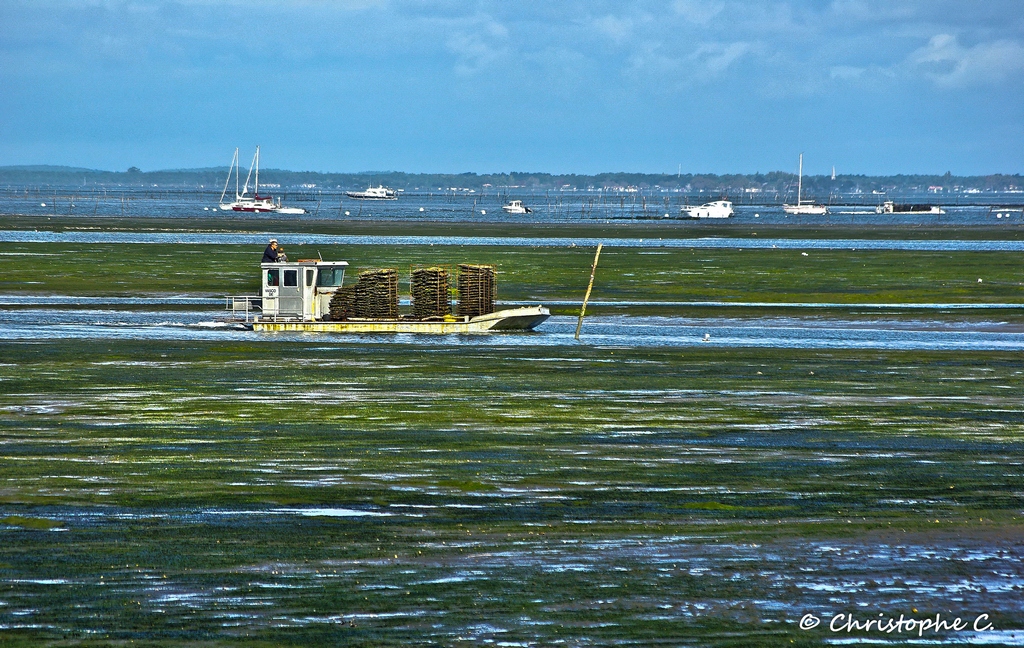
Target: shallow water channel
x=104, y=321
x=712, y=242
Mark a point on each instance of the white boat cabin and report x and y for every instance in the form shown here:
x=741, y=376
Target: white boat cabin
x=716, y=209
x=292, y=291
x=516, y=207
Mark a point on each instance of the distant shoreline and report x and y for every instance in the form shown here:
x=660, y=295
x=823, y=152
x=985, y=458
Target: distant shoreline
x=26, y=176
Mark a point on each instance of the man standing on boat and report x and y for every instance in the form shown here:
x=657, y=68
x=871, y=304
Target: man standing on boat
x=271, y=254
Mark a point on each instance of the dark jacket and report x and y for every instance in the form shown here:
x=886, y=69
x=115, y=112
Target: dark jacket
x=270, y=255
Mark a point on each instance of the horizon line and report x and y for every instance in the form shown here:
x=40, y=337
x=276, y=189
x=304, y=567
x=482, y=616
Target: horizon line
x=57, y=168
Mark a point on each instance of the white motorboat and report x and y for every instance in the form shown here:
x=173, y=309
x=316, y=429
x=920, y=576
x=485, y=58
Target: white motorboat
x=802, y=206
x=716, y=209
x=256, y=203
x=380, y=192
x=516, y=207
x=890, y=207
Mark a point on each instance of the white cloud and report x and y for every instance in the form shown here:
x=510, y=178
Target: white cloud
x=716, y=57
x=478, y=45
x=617, y=29
x=873, y=11
x=698, y=11
x=846, y=72
x=675, y=71
x=949, y=64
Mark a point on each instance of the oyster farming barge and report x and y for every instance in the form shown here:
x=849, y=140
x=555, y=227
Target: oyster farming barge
x=310, y=295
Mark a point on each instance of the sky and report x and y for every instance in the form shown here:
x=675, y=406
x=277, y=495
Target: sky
x=576, y=86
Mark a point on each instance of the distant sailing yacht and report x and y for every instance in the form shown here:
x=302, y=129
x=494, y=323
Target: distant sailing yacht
x=802, y=207
x=256, y=203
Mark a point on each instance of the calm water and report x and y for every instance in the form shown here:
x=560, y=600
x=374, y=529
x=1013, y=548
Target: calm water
x=41, y=324
x=486, y=207
x=43, y=236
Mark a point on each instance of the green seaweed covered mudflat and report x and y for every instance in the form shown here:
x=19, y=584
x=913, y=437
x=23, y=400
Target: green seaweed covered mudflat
x=381, y=491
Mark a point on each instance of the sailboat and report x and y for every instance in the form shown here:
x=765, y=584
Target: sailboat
x=802, y=207
x=256, y=203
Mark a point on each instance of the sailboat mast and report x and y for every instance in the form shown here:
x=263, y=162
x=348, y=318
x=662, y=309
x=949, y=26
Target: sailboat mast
x=799, y=180
x=227, y=180
x=256, y=189
x=245, y=189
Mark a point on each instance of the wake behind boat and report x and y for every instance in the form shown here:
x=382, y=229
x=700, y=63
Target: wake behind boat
x=255, y=204
x=380, y=192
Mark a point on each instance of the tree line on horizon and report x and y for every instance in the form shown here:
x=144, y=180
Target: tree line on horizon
x=213, y=178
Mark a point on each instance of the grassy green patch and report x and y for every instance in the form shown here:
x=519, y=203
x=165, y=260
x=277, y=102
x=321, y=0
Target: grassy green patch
x=23, y=522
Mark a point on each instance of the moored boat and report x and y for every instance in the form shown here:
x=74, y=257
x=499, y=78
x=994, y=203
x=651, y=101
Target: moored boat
x=716, y=209
x=256, y=203
x=891, y=207
x=380, y=192
x=516, y=207
x=803, y=206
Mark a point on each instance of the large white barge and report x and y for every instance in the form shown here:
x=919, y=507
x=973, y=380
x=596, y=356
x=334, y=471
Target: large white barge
x=296, y=296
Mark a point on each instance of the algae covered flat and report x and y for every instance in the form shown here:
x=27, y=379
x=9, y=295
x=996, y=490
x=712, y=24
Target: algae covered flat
x=391, y=490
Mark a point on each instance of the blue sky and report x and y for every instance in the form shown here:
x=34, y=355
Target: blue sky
x=876, y=87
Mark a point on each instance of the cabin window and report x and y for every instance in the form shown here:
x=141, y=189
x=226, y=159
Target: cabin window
x=310, y=273
x=273, y=277
x=291, y=277
x=330, y=277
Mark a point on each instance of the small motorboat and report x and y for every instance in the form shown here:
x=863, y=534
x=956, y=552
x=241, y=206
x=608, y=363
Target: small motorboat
x=380, y=192
x=890, y=207
x=716, y=209
x=516, y=207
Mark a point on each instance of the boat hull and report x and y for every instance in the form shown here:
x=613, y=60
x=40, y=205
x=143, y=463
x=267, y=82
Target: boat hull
x=262, y=209
x=717, y=209
x=513, y=319
x=815, y=210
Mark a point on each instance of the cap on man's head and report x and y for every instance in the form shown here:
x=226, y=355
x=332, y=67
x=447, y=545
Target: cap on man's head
x=273, y=240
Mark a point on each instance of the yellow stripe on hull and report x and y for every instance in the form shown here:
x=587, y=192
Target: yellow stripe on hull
x=513, y=319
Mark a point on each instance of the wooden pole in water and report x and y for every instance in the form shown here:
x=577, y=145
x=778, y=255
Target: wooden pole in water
x=590, y=286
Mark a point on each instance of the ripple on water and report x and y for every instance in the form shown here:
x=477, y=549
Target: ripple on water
x=613, y=332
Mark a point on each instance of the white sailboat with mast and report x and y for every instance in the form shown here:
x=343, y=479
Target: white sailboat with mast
x=801, y=206
x=256, y=203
